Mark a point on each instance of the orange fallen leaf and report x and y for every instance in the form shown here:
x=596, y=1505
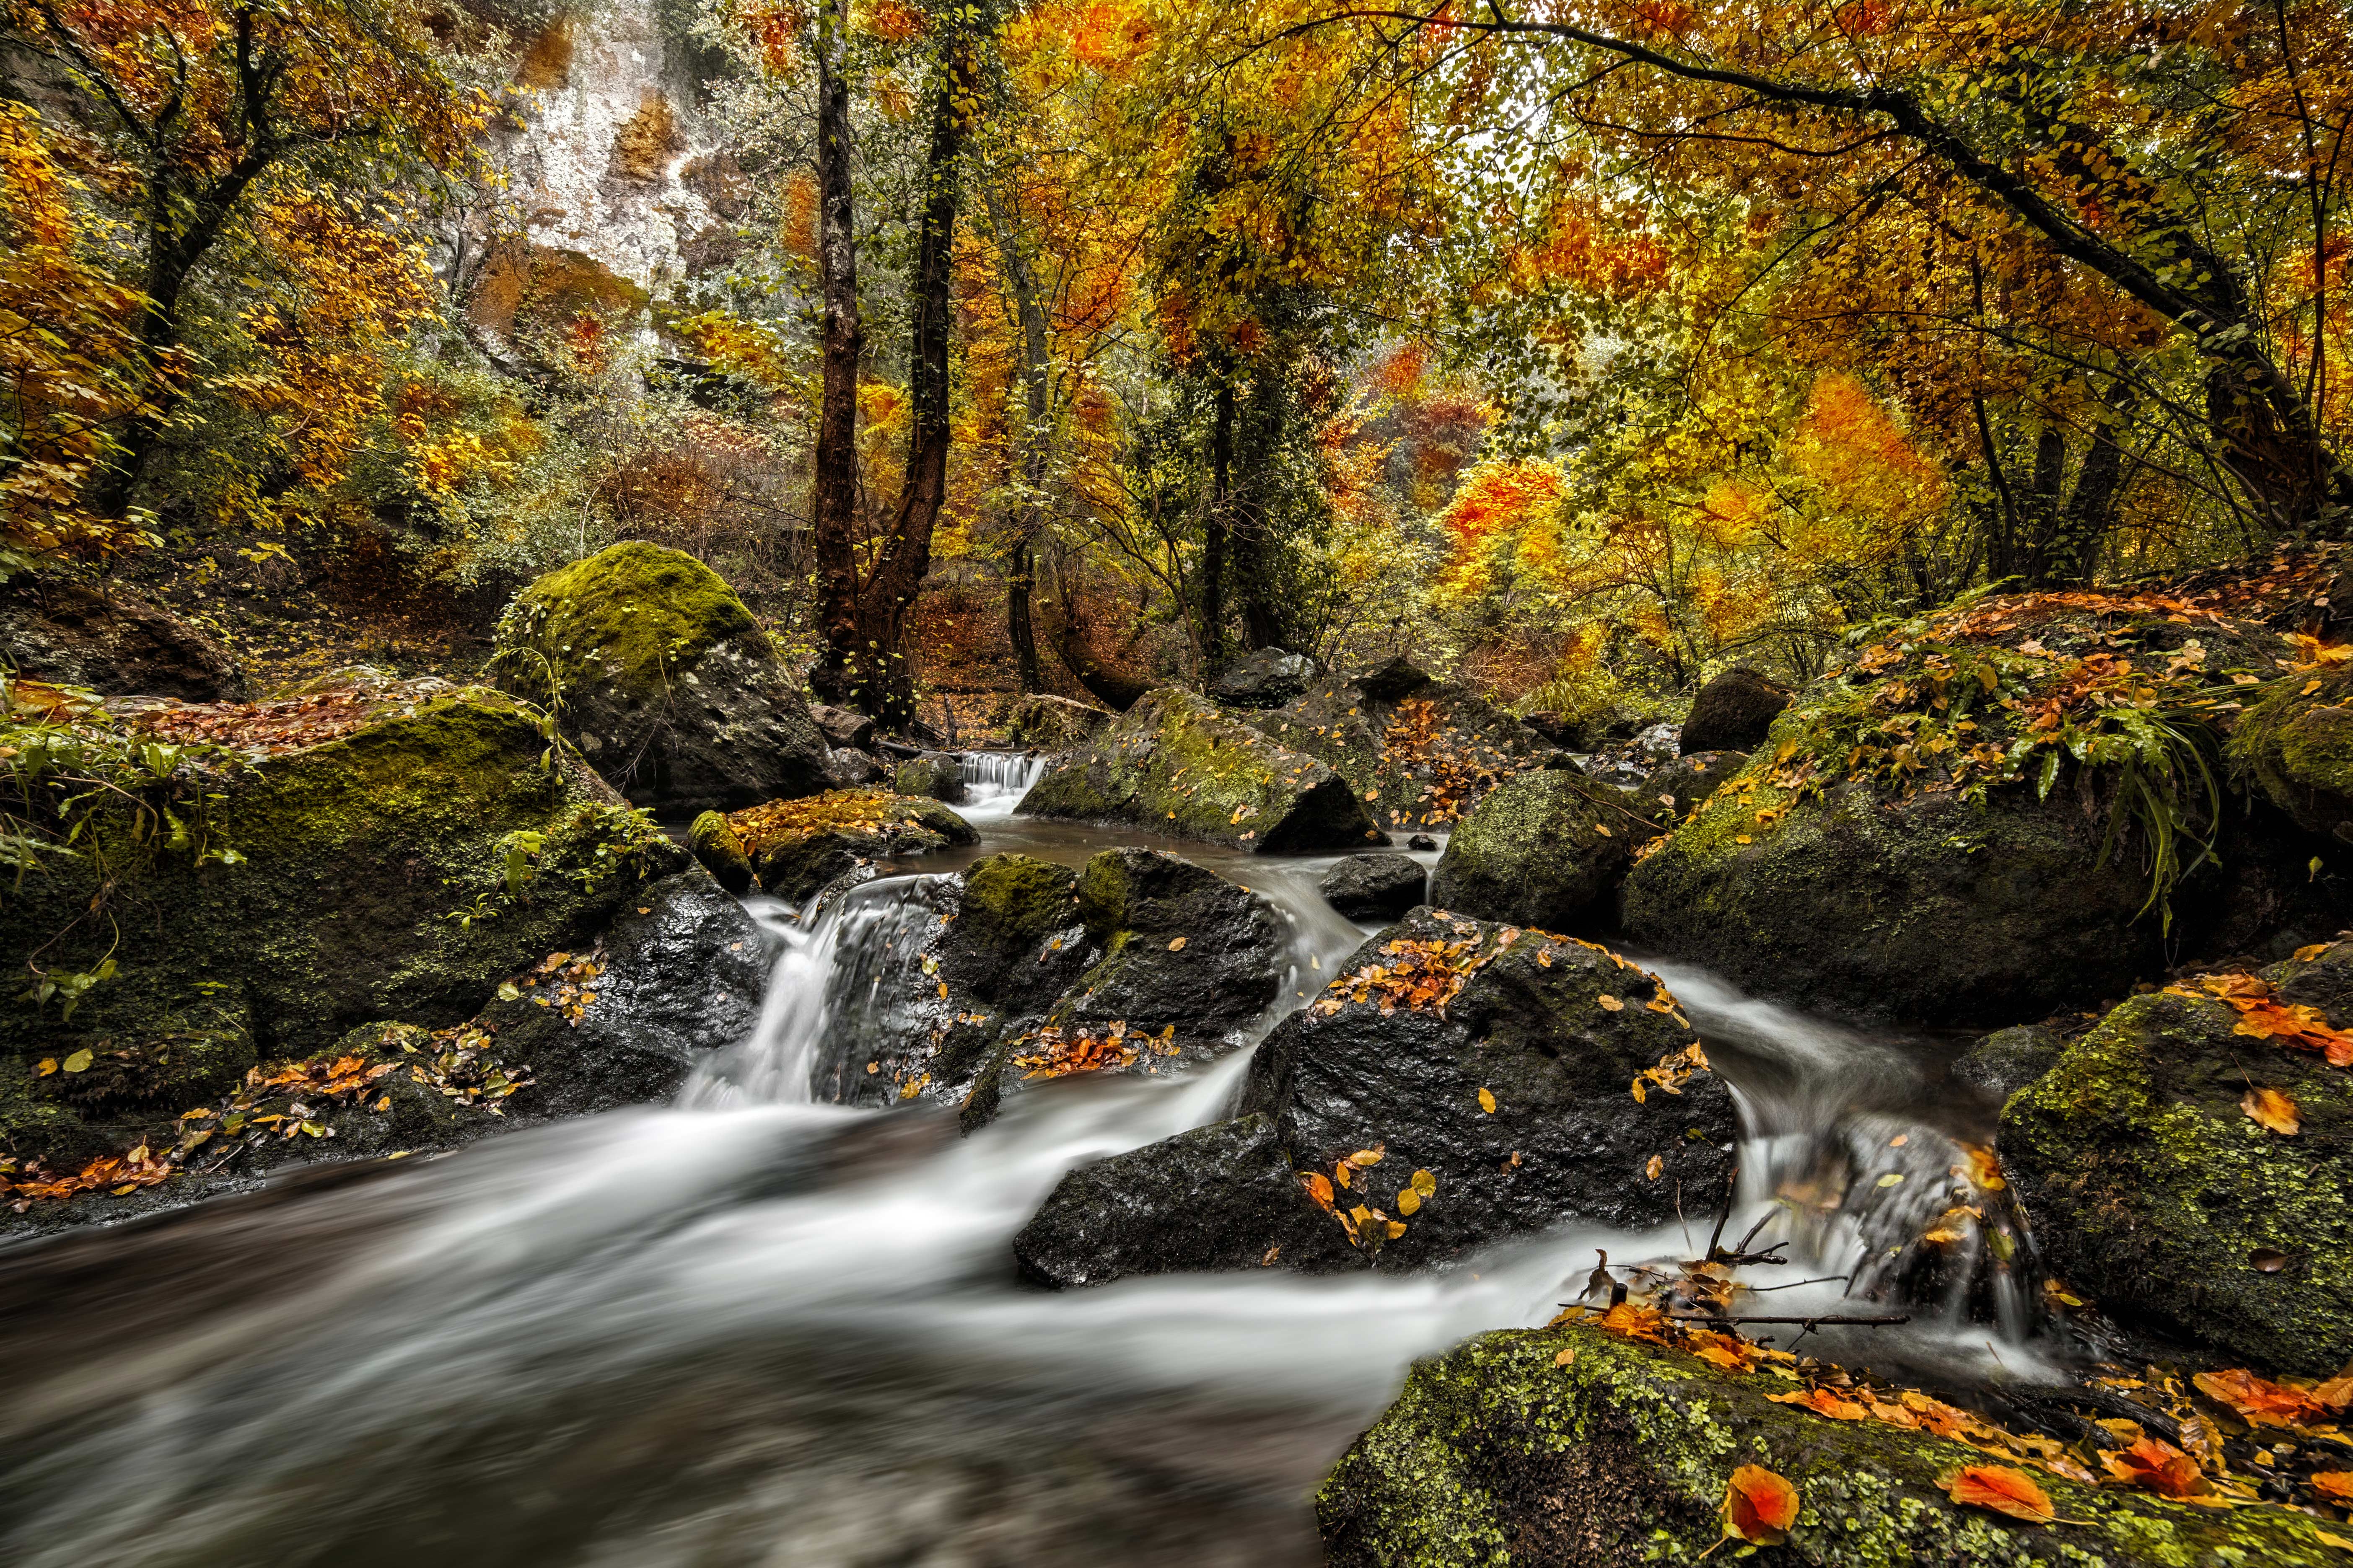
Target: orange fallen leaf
x=2000, y=1489
x=1654, y=1168
x=2157, y=1467
x=2255, y=1401
x=1632, y=1320
x=1318, y=1188
x=1759, y=1506
x=1177, y=944
x=1611, y=1003
x=2336, y=1486
x=1822, y=1402
x=2271, y=1110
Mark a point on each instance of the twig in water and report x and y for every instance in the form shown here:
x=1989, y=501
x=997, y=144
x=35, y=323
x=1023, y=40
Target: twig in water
x=1825, y=1280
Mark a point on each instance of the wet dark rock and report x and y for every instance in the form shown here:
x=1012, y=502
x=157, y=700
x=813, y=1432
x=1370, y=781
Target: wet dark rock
x=1621, y=773
x=1222, y=1196
x=665, y=681
x=1176, y=764
x=848, y=769
x=1266, y=678
x=1732, y=712
x=1557, y=729
x=112, y=642
x=1054, y=723
x=1544, y=849
x=1374, y=886
x=796, y=847
x=1655, y=746
x=843, y=727
x=1677, y=789
x=1419, y=752
x=932, y=775
x=1567, y=1140
x=682, y=971
x=1422, y=841
x=2153, y=1191
x=1574, y=1449
x=2009, y=1059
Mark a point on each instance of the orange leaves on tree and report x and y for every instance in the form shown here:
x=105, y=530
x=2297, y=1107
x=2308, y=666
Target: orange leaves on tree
x=2000, y=1489
x=1759, y=1506
x=1847, y=444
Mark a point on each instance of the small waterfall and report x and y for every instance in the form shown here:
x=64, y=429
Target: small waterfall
x=995, y=781
x=827, y=986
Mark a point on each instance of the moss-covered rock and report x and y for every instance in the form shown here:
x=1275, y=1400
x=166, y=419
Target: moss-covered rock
x=1569, y=1448
x=1952, y=823
x=1545, y=848
x=933, y=776
x=1732, y=712
x=437, y=842
x=713, y=841
x=2299, y=746
x=2150, y=1188
x=796, y=847
x=1418, y=751
x=661, y=675
x=1174, y=764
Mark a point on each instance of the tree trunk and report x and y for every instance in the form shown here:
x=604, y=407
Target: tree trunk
x=1037, y=437
x=1219, y=525
x=905, y=557
x=848, y=659
x=2092, y=505
x=1262, y=626
x=1113, y=688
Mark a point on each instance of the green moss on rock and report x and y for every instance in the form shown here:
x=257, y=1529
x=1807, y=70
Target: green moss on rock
x=2150, y=1189
x=796, y=847
x=1498, y=1454
x=1545, y=848
x=1173, y=763
x=2299, y=748
x=663, y=679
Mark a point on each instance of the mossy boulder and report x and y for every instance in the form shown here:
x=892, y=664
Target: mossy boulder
x=395, y=859
x=1173, y=763
x=1544, y=848
x=664, y=680
x=1418, y=751
x=2009, y=1059
x=933, y=776
x=1732, y=712
x=2298, y=747
x=1570, y=1449
x=796, y=847
x=2150, y=1189
x=713, y=841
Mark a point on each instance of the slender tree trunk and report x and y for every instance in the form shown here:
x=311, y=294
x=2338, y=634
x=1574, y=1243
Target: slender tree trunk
x=2091, y=512
x=1021, y=576
x=1262, y=626
x=833, y=486
x=906, y=553
x=2042, y=492
x=1219, y=525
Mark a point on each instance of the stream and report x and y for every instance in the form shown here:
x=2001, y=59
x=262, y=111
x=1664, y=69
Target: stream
x=751, y=1328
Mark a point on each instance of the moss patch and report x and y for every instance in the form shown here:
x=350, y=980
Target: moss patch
x=1497, y=1454
x=634, y=617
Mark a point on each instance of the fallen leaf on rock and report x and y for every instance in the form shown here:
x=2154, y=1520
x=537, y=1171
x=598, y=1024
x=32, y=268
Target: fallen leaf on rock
x=1566, y=1358
x=2159, y=1467
x=2336, y=1486
x=1611, y=1003
x=2306, y=955
x=1759, y=1506
x=2257, y=1401
x=1487, y=1102
x=2000, y=1489
x=1424, y=1182
x=1177, y=944
x=1655, y=1166
x=2271, y=1110
x=1318, y=1188
x=1635, y=1320
x=1823, y=1402
x=79, y=1062
x=1408, y=1201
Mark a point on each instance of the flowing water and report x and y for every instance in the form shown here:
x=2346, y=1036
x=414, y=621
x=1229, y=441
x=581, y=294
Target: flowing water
x=753, y=1329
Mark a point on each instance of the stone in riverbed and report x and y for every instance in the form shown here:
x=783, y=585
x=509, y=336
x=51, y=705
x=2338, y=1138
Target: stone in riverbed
x=1419, y=752
x=1222, y=1196
x=1553, y=1031
x=1266, y=678
x=1173, y=763
x=933, y=776
x=1573, y=1449
x=2150, y=1187
x=1732, y=712
x=2009, y=1059
x=848, y=769
x=796, y=847
x=662, y=675
x=1374, y=886
x=1546, y=849
x=842, y=727
x=1677, y=789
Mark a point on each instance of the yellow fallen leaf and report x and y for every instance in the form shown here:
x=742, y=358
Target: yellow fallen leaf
x=1177, y=944
x=48, y=1065
x=1611, y=1003
x=2306, y=955
x=1654, y=1168
x=1408, y=1201
x=1487, y=1102
x=2269, y=1109
x=1424, y=1182
x=79, y=1061
x=1566, y=1358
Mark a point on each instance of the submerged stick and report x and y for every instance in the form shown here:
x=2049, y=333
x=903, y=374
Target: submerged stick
x=1809, y=1322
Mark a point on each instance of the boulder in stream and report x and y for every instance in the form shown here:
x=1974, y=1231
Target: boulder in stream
x=1732, y=712
x=2152, y=1187
x=1374, y=886
x=1574, y=1449
x=663, y=679
x=1268, y=677
x=933, y=775
x=1545, y=848
x=796, y=847
x=1174, y=764
x=2009, y=1059
x=1917, y=837
x=1419, y=752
